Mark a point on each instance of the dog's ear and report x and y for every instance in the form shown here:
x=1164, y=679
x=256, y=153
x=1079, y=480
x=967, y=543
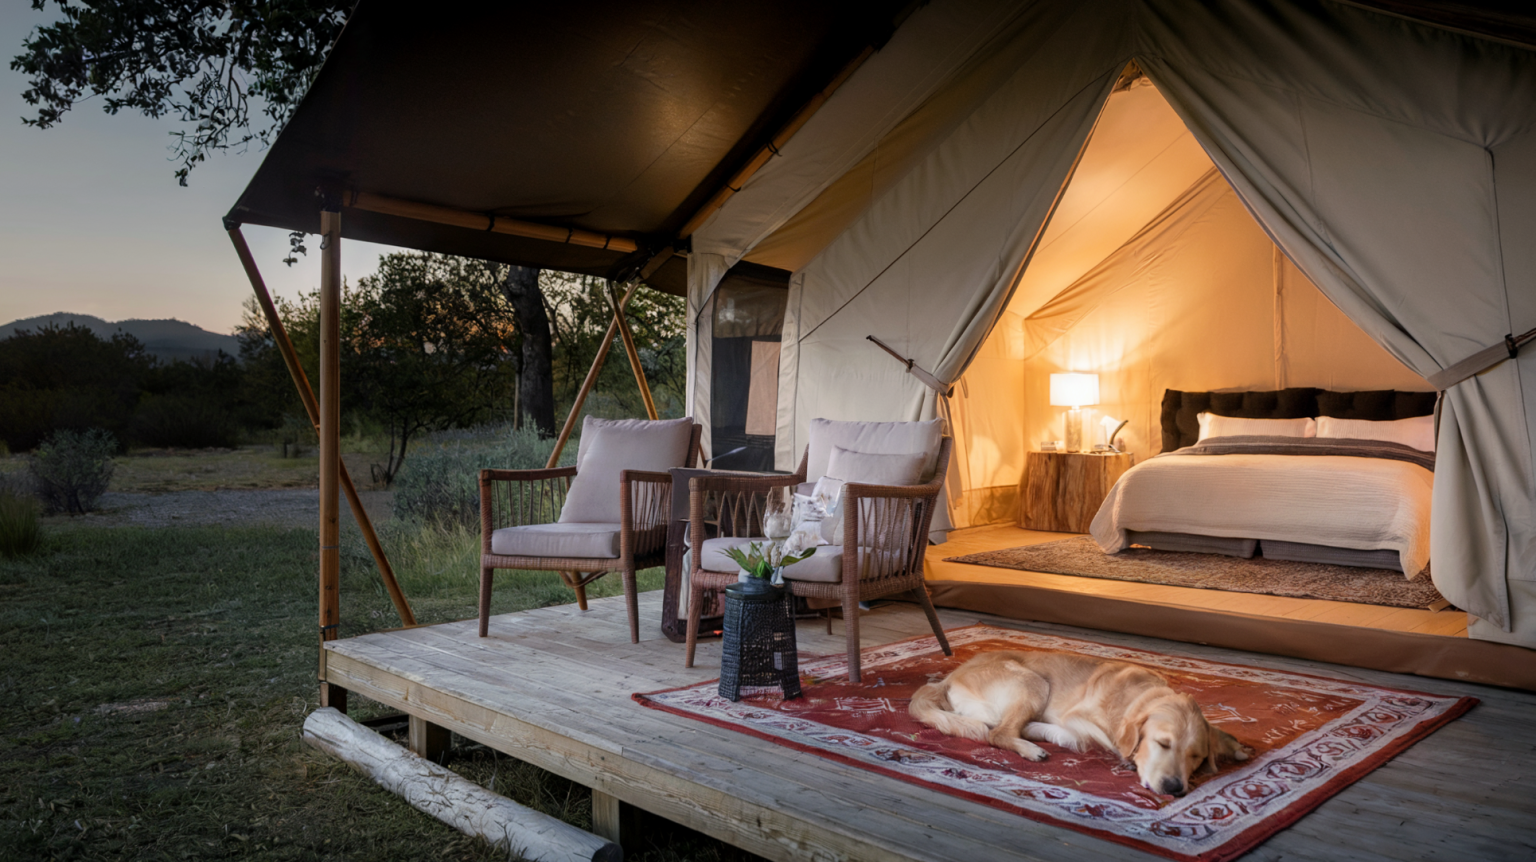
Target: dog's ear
x=1129, y=737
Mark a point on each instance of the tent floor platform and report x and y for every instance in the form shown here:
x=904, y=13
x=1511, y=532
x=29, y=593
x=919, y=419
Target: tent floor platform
x=552, y=687
x=1400, y=640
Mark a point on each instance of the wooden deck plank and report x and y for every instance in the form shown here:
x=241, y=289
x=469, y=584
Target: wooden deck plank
x=553, y=686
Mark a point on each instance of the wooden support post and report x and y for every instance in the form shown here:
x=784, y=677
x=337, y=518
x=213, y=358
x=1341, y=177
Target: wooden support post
x=312, y=409
x=586, y=385
x=616, y=821
x=629, y=348
x=427, y=739
x=330, y=426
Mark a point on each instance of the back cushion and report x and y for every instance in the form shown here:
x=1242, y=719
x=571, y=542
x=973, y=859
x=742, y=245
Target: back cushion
x=873, y=438
x=611, y=446
x=867, y=469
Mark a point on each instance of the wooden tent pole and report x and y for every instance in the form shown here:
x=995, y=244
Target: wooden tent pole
x=629, y=347
x=586, y=385
x=330, y=435
x=486, y=222
x=312, y=409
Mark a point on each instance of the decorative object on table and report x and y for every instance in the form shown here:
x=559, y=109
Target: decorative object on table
x=894, y=473
x=766, y=560
x=1302, y=756
x=1062, y=491
x=759, y=647
x=1074, y=391
x=1112, y=429
x=608, y=513
x=1080, y=556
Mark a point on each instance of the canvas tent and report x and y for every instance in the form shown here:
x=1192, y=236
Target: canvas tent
x=1385, y=148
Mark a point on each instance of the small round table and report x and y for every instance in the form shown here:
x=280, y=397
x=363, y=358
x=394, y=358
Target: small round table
x=759, y=645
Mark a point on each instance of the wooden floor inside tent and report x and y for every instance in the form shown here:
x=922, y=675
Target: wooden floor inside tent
x=1450, y=622
x=552, y=687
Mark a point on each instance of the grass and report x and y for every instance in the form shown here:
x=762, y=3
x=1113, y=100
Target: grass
x=20, y=524
x=156, y=679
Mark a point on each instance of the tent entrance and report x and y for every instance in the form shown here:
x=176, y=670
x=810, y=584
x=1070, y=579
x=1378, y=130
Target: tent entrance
x=1153, y=276
x=747, y=322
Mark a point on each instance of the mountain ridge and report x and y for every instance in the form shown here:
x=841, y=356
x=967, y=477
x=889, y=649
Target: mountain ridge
x=167, y=338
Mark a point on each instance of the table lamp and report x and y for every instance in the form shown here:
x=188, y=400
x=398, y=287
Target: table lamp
x=1075, y=391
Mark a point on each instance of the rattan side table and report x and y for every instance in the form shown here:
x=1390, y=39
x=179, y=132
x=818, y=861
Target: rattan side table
x=759, y=645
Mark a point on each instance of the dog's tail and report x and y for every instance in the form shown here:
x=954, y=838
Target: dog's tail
x=930, y=705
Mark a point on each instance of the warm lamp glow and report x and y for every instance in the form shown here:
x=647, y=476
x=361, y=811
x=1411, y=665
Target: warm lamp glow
x=1074, y=390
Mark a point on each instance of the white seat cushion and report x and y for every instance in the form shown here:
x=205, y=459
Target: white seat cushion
x=714, y=558
x=608, y=448
x=875, y=438
x=586, y=541
x=867, y=468
x=823, y=567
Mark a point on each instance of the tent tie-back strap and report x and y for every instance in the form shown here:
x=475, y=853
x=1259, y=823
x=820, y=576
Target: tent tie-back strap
x=1480, y=361
x=913, y=369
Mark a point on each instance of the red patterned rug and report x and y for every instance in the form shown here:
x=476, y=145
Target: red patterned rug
x=1312, y=737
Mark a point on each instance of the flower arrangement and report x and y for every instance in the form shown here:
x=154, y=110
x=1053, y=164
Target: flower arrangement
x=765, y=559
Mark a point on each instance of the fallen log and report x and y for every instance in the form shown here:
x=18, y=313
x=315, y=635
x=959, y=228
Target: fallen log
x=454, y=800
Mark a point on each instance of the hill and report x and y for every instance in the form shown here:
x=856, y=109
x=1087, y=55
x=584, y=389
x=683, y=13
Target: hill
x=167, y=339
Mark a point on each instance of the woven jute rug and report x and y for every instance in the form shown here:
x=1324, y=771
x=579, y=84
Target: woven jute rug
x=1311, y=737
x=1080, y=556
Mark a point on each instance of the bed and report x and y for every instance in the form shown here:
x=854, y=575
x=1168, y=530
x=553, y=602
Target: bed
x=1340, y=501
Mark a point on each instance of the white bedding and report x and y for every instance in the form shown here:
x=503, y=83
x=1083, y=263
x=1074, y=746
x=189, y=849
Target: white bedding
x=1345, y=502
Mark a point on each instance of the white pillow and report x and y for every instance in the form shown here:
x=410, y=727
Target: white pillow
x=1417, y=432
x=870, y=469
x=611, y=446
x=1214, y=425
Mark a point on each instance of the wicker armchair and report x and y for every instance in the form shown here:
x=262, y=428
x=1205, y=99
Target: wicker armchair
x=524, y=498
x=885, y=534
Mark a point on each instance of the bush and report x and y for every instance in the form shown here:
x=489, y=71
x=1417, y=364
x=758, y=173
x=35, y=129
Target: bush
x=183, y=421
x=440, y=482
x=71, y=469
x=20, y=528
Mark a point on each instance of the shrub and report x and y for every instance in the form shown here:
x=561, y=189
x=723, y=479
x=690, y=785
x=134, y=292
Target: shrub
x=71, y=469
x=183, y=421
x=20, y=528
x=441, y=481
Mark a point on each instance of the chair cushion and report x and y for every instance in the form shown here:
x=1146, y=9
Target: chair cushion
x=611, y=446
x=875, y=438
x=714, y=558
x=586, y=541
x=870, y=468
x=823, y=567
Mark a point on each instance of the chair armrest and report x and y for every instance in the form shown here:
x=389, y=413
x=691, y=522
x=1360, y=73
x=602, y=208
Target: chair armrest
x=738, y=505
x=515, y=498
x=889, y=522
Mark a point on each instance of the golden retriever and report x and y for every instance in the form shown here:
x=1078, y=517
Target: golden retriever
x=1007, y=698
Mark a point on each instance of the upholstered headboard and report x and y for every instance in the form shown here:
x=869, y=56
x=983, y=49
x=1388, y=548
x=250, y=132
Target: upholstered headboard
x=1181, y=428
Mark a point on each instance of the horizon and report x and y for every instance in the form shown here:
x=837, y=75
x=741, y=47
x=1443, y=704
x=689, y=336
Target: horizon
x=93, y=220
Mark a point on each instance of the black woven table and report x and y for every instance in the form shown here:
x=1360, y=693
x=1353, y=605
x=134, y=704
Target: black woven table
x=759, y=646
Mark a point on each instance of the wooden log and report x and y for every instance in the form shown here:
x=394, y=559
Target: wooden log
x=629, y=348
x=312, y=409
x=456, y=801
x=486, y=222
x=330, y=427
x=586, y=385
x=1062, y=491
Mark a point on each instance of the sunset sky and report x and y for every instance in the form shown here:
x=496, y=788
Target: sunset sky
x=92, y=220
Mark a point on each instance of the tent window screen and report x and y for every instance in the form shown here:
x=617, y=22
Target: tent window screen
x=748, y=317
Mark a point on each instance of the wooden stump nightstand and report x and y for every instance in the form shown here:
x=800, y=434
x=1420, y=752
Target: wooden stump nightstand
x=1062, y=491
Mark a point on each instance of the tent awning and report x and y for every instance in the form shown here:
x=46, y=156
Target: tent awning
x=616, y=119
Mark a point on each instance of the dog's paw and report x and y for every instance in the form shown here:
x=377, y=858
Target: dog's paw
x=1031, y=751
x=1242, y=753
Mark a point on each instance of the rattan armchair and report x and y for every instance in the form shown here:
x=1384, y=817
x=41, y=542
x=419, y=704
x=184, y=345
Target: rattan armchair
x=885, y=535
x=519, y=498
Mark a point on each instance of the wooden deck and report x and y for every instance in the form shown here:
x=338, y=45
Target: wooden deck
x=552, y=687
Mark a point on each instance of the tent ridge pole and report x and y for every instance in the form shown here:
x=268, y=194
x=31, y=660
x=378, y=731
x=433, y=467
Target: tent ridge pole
x=312, y=409
x=486, y=222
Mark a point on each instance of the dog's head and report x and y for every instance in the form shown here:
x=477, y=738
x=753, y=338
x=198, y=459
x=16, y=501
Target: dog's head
x=1168, y=739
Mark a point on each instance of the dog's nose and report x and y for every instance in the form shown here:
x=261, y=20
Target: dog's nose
x=1173, y=786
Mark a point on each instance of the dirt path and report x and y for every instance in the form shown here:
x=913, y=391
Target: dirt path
x=286, y=507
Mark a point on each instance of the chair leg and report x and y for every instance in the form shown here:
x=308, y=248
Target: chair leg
x=695, y=614
x=851, y=624
x=581, y=595
x=933, y=619
x=485, y=601
x=632, y=601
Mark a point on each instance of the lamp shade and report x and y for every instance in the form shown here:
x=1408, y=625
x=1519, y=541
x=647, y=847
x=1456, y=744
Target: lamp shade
x=1074, y=390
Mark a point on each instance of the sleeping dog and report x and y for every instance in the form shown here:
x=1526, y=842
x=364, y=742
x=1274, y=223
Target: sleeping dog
x=1008, y=698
